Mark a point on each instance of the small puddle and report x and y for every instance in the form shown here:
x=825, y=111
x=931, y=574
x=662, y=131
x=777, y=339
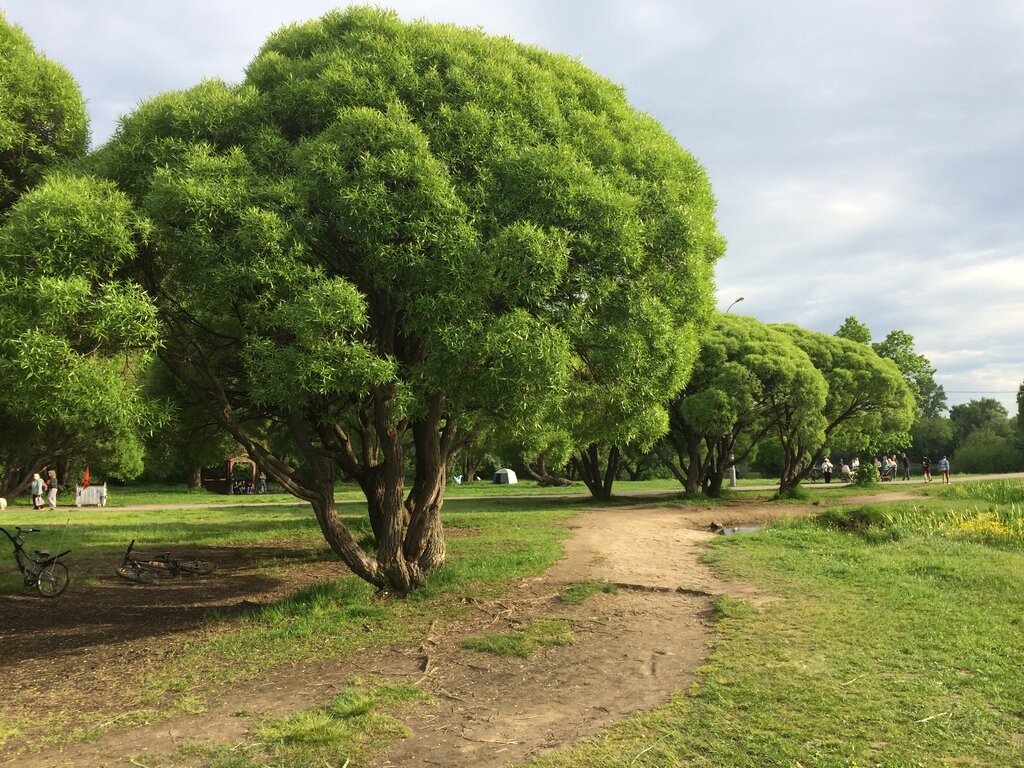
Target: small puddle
x=740, y=529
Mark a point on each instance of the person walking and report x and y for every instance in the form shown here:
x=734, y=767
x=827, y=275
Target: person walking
x=826, y=470
x=37, y=491
x=905, y=461
x=944, y=469
x=926, y=469
x=51, y=488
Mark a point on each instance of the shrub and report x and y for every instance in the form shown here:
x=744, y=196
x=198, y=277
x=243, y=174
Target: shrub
x=858, y=519
x=867, y=474
x=986, y=451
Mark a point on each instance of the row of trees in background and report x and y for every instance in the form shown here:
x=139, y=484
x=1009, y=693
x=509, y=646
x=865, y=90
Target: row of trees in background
x=979, y=436
x=391, y=248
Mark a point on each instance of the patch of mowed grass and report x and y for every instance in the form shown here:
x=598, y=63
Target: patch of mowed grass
x=175, y=495
x=522, y=642
x=890, y=653
x=577, y=594
x=353, y=727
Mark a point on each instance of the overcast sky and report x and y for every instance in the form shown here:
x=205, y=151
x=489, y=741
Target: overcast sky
x=867, y=157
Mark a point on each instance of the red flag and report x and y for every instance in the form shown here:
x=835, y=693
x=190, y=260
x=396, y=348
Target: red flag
x=85, y=478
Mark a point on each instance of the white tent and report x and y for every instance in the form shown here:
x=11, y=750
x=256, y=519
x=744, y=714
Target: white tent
x=505, y=476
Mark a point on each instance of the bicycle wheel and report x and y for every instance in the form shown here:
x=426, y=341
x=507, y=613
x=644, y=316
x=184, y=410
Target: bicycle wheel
x=196, y=566
x=53, y=579
x=137, y=573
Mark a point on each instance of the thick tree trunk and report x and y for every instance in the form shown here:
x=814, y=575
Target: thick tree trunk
x=796, y=466
x=543, y=477
x=588, y=463
x=424, y=541
x=195, y=478
x=468, y=467
x=721, y=458
x=689, y=470
x=408, y=532
x=17, y=475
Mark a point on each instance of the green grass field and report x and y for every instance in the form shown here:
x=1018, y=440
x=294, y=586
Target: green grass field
x=896, y=641
x=174, y=495
x=896, y=644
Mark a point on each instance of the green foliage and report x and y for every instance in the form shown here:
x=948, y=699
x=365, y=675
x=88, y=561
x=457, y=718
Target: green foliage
x=392, y=233
x=522, y=642
x=984, y=414
x=749, y=381
x=73, y=334
x=854, y=330
x=42, y=115
x=986, y=450
x=867, y=474
x=1020, y=415
x=932, y=436
x=916, y=369
x=868, y=401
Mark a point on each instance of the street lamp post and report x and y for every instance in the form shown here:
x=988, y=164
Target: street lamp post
x=733, y=305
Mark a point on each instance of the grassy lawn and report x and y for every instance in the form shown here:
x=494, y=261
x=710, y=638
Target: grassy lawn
x=494, y=543
x=134, y=495
x=897, y=643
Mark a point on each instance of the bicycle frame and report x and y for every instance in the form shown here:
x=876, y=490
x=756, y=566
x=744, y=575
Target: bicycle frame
x=31, y=574
x=160, y=562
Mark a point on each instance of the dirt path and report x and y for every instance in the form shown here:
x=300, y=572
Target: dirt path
x=632, y=650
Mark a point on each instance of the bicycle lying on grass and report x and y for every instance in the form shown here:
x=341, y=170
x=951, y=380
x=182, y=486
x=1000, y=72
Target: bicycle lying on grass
x=44, y=571
x=146, y=569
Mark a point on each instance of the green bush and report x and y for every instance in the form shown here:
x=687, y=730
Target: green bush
x=986, y=451
x=872, y=522
x=867, y=474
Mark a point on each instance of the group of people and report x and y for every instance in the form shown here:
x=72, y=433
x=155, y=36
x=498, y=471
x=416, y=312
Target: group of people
x=846, y=471
x=47, y=489
x=888, y=467
x=926, y=469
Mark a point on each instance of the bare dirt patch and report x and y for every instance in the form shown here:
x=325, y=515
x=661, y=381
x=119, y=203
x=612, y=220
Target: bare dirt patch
x=631, y=650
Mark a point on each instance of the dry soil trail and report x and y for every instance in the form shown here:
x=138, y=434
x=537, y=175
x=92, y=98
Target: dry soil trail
x=632, y=650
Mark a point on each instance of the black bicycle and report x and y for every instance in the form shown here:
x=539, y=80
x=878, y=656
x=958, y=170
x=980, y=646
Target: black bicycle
x=44, y=571
x=146, y=569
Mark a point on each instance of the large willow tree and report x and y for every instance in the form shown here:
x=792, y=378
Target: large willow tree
x=390, y=226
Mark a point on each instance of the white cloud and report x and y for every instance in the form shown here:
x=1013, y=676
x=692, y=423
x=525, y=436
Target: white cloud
x=867, y=157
